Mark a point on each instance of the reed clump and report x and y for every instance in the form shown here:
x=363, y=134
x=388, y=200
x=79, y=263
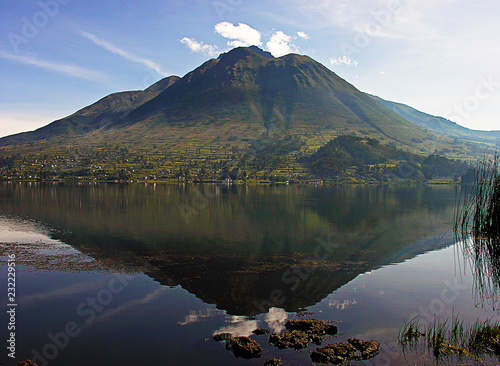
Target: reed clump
x=477, y=229
x=479, y=214
x=445, y=339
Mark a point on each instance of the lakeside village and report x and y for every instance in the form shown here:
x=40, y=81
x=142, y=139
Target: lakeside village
x=346, y=159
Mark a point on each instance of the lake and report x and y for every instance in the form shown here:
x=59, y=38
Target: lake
x=139, y=274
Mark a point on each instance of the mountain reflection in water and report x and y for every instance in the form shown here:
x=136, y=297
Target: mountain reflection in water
x=244, y=249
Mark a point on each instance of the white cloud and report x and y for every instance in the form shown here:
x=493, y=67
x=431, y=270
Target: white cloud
x=200, y=47
x=125, y=54
x=242, y=34
x=70, y=70
x=303, y=35
x=279, y=44
x=344, y=60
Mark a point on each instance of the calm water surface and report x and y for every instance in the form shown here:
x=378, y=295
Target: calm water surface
x=146, y=274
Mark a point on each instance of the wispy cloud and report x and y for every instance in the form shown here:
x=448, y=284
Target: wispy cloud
x=128, y=305
x=125, y=54
x=242, y=35
x=200, y=47
x=51, y=295
x=303, y=35
x=344, y=60
x=280, y=44
x=70, y=70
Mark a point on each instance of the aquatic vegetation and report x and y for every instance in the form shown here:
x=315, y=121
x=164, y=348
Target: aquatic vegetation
x=455, y=338
x=477, y=229
x=479, y=213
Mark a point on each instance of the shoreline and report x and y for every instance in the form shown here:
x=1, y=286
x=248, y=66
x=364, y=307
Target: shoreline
x=317, y=182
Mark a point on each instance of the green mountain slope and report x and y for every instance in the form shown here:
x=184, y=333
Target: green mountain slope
x=439, y=124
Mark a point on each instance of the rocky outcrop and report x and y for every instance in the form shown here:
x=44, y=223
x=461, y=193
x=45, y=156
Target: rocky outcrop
x=222, y=337
x=274, y=362
x=311, y=326
x=244, y=347
x=260, y=331
x=294, y=339
x=365, y=349
x=335, y=353
x=27, y=363
x=338, y=353
x=301, y=333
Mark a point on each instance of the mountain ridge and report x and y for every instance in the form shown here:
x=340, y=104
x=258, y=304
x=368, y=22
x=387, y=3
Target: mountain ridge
x=97, y=115
x=438, y=124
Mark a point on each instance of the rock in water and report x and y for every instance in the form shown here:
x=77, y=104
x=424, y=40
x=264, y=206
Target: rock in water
x=366, y=349
x=335, y=353
x=260, y=331
x=244, y=347
x=274, y=362
x=301, y=332
x=294, y=339
x=222, y=337
x=338, y=353
x=313, y=326
x=27, y=363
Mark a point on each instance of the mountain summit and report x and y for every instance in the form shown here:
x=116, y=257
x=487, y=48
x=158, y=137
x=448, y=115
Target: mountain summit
x=256, y=49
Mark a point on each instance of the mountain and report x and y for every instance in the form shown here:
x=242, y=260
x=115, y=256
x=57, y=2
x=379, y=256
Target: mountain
x=440, y=125
x=98, y=115
x=244, y=94
x=244, y=114
x=255, y=94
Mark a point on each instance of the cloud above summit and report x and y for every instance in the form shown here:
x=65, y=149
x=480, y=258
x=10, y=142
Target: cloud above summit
x=242, y=35
x=280, y=44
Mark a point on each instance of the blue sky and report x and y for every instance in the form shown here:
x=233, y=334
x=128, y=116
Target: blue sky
x=57, y=56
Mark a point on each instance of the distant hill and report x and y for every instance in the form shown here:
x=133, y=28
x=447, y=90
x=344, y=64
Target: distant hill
x=440, y=125
x=370, y=158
